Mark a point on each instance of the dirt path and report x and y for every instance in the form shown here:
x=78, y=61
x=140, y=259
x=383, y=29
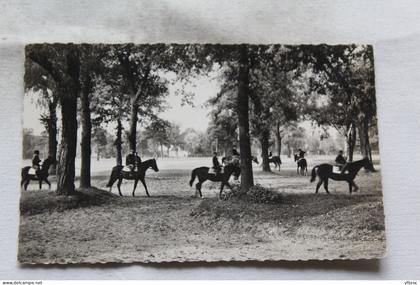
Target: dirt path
x=173, y=226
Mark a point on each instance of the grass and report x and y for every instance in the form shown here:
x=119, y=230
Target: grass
x=33, y=203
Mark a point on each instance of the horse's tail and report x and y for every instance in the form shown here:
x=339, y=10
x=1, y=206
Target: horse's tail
x=313, y=175
x=193, y=175
x=113, y=176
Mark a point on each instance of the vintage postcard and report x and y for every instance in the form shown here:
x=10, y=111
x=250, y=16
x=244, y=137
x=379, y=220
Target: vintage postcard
x=199, y=152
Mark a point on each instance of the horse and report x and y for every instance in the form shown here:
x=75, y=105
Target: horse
x=276, y=160
x=40, y=175
x=118, y=174
x=325, y=171
x=302, y=164
x=202, y=173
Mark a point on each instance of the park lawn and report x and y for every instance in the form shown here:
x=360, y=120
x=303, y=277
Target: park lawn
x=174, y=226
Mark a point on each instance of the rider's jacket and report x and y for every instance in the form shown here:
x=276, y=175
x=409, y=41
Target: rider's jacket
x=216, y=164
x=35, y=160
x=132, y=159
x=340, y=159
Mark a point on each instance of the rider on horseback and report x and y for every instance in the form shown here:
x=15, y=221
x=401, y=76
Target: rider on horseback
x=132, y=161
x=216, y=164
x=235, y=157
x=340, y=160
x=301, y=153
x=36, y=160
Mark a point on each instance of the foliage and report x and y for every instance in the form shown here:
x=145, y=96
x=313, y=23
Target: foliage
x=255, y=194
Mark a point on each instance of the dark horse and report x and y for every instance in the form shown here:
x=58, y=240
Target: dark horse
x=276, y=160
x=302, y=165
x=41, y=174
x=202, y=173
x=118, y=174
x=325, y=171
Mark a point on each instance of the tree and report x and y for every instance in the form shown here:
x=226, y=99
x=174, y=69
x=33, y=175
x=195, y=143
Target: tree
x=223, y=127
x=141, y=67
x=100, y=140
x=27, y=143
x=295, y=138
x=247, y=179
x=110, y=104
x=62, y=63
x=345, y=76
x=176, y=137
x=274, y=103
x=39, y=81
x=158, y=131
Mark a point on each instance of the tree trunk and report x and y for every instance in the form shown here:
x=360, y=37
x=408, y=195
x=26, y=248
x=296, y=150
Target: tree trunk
x=161, y=150
x=351, y=142
x=247, y=179
x=98, y=154
x=226, y=148
x=86, y=150
x=52, y=132
x=264, y=140
x=68, y=102
x=278, y=139
x=66, y=169
x=289, y=150
x=132, y=136
x=365, y=148
x=118, y=142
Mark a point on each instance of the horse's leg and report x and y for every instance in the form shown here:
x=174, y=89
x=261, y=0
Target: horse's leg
x=40, y=183
x=350, y=187
x=25, y=186
x=356, y=188
x=221, y=189
x=135, y=186
x=198, y=188
x=297, y=169
x=326, y=185
x=119, y=185
x=48, y=183
x=228, y=185
x=318, y=185
x=145, y=187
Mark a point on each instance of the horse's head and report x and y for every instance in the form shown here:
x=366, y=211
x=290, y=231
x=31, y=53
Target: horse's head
x=233, y=169
x=154, y=165
x=296, y=157
x=254, y=159
x=49, y=161
x=368, y=165
x=224, y=160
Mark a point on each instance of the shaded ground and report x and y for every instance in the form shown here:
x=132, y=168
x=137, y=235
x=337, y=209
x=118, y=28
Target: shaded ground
x=172, y=225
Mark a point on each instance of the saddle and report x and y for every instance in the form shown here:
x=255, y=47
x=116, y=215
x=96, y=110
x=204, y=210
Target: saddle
x=213, y=171
x=128, y=169
x=32, y=171
x=337, y=169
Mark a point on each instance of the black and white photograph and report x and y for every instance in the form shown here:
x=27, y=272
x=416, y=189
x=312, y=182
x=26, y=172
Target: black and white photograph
x=199, y=152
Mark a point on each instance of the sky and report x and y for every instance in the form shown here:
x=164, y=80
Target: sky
x=187, y=116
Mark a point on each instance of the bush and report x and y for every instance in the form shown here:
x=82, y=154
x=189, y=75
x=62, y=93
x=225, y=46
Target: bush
x=256, y=194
